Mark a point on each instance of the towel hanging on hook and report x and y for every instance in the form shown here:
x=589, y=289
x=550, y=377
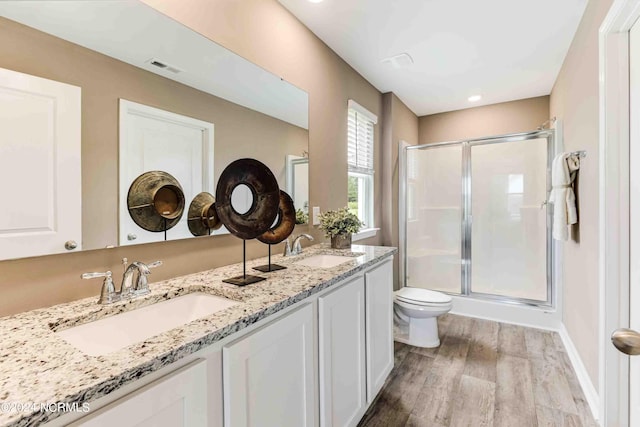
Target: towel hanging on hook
x=563, y=173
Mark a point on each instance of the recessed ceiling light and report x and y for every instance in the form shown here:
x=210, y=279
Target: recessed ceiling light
x=315, y=1
x=475, y=98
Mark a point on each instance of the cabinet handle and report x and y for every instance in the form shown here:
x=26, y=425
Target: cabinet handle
x=70, y=245
x=131, y=236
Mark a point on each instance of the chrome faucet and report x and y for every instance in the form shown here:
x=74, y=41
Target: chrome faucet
x=128, y=289
x=296, y=248
x=131, y=289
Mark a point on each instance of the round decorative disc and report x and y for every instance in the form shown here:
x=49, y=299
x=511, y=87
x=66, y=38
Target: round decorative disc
x=202, y=217
x=155, y=201
x=266, y=198
x=286, y=222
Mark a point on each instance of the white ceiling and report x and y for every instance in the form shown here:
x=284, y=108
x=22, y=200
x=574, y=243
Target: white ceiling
x=135, y=33
x=502, y=49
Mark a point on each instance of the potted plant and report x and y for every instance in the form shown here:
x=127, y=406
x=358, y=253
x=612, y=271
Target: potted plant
x=339, y=225
x=301, y=217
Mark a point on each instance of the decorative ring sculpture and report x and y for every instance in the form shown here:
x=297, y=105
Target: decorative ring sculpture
x=286, y=222
x=155, y=201
x=202, y=217
x=266, y=198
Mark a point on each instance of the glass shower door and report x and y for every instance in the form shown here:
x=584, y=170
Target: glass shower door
x=433, y=217
x=508, y=219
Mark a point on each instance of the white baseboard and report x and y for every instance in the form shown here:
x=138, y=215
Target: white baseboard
x=508, y=313
x=590, y=392
x=534, y=318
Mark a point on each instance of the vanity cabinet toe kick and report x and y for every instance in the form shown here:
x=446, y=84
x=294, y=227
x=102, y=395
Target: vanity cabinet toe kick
x=319, y=362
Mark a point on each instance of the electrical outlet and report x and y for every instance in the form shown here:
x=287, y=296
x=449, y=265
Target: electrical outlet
x=316, y=215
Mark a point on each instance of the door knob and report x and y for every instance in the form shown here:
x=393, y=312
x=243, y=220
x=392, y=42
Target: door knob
x=627, y=341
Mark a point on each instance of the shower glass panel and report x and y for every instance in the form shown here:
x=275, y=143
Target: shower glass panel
x=509, y=219
x=434, y=215
x=476, y=222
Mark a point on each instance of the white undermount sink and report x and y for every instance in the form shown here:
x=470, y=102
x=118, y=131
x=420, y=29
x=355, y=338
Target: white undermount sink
x=324, y=261
x=107, y=335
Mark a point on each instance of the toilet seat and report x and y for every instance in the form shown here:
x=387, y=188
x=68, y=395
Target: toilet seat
x=422, y=297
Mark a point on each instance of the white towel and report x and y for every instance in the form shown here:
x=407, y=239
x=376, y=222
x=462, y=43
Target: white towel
x=563, y=172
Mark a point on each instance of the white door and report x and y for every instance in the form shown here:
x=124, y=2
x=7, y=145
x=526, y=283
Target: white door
x=154, y=139
x=268, y=376
x=177, y=400
x=342, y=355
x=39, y=166
x=379, y=321
x=634, y=303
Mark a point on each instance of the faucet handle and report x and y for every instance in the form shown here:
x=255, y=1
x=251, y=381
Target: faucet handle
x=142, y=284
x=95, y=275
x=108, y=293
x=154, y=264
x=287, y=247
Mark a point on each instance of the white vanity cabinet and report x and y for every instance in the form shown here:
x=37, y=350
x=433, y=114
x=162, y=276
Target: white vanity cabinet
x=320, y=362
x=355, y=331
x=379, y=325
x=341, y=331
x=268, y=375
x=179, y=399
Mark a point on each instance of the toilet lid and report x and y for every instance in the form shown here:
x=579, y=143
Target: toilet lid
x=422, y=296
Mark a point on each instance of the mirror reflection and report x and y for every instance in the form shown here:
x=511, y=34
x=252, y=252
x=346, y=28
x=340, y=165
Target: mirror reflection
x=89, y=105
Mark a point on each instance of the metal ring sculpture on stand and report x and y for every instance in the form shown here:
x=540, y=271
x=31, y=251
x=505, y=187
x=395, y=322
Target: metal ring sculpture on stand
x=202, y=217
x=285, y=224
x=266, y=198
x=155, y=201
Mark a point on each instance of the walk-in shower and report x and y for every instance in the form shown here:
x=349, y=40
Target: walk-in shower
x=474, y=218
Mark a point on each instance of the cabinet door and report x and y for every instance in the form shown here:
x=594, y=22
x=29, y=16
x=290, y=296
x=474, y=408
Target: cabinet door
x=268, y=376
x=342, y=358
x=379, y=321
x=39, y=165
x=179, y=399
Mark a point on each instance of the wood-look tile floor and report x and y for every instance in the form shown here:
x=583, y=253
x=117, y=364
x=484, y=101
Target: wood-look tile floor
x=483, y=374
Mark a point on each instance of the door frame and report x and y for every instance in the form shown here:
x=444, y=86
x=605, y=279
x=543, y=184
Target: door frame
x=128, y=109
x=614, y=207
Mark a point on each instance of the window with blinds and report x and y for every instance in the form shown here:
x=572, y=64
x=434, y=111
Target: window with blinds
x=360, y=146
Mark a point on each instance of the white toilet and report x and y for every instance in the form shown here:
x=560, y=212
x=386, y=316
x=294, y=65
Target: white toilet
x=415, y=315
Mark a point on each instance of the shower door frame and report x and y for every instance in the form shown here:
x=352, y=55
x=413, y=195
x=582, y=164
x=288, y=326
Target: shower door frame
x=467, y=215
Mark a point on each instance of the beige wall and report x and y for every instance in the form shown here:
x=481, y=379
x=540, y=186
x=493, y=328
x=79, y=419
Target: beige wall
x=574, y=100
x=399, y=124
x=265, y=33
x=497, y=119
x=238, y=131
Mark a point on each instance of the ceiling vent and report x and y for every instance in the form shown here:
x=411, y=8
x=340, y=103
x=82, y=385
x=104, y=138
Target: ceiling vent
x=163, y=65
x=402, y=60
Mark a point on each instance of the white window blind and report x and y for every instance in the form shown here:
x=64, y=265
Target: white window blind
x=360, y=142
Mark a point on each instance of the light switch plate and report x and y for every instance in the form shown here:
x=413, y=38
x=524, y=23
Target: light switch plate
x=316, y=215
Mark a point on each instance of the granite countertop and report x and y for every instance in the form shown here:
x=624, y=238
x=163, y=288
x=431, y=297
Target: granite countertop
x=38, y=366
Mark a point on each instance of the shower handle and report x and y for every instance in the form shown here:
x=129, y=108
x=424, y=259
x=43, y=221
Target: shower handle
x=626, y=341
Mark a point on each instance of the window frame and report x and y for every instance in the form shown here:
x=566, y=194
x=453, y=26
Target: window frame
x=366, y=177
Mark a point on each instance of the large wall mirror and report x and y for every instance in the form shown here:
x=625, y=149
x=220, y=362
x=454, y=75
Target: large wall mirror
x=94, y=94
